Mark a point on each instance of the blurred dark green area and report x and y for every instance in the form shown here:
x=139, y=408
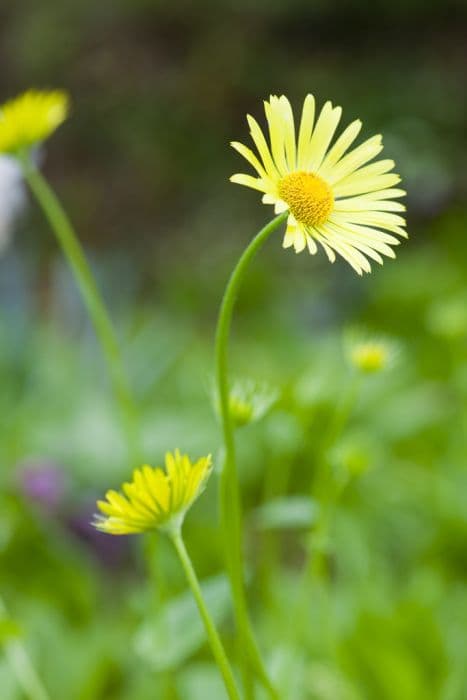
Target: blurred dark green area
x=159, y=89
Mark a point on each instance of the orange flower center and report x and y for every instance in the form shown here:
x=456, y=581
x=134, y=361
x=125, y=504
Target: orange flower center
x=309, y=197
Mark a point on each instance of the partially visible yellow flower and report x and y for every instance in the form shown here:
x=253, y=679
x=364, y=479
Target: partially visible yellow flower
x=250, y=400
x=371, y=356
x=370, y=353
x=333, y=196
x=30, y=118
x=155, y=498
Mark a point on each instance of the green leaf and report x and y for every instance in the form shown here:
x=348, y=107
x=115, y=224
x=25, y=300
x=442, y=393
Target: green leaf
x=177, y=631
x=201, y=681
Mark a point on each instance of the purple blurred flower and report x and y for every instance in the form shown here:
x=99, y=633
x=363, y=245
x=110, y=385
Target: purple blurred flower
x=43, y=482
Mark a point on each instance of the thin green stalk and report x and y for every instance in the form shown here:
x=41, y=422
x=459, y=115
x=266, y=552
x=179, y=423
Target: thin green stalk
x=211, y=631
x=22, y=667
x=230, y=504
x=75, y=256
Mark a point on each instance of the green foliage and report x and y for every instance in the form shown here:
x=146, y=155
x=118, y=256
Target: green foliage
x=370, y=476
x=165, y=641
x=365, y=474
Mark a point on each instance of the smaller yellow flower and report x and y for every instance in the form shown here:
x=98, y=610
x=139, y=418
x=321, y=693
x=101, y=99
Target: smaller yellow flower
x=250, y=401
x=30, y=118
x=370, y=357
x=154, y=499
x=369, y=353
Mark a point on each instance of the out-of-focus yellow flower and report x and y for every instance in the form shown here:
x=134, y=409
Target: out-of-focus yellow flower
x=249, y=401
x=370, y=353
x=240, y=410
x=333, y=196
x=155, y=498
x=370, y=357
x=30, y=118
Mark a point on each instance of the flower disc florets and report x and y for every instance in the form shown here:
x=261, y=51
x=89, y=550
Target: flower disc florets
x=370, y=357
x=309, y=197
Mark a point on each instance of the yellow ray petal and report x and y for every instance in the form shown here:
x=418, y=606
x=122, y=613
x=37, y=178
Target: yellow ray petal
x=276, y=134
x=322, y=136
x=347, y=137
x=306, y=129
x=355, y=159
x=263, y=149
x=289, y=132
x=251, y=158
x=255, y=183
x=365, y=185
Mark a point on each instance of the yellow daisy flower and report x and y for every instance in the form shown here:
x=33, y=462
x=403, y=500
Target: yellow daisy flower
x=370, y=357
x=154, y=499
x=371, y=354
x=30, y=118
x=250, y=400
x=335, y=197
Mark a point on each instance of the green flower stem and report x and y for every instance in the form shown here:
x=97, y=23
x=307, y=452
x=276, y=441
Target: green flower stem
x=230, y=505
x=211, y=631
x=22, y=667
x=105, y=332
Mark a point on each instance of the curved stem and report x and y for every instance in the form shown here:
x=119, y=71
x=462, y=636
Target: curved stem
x=211, y=631
x=22, y=667
x=230, y=505
x=95, y=305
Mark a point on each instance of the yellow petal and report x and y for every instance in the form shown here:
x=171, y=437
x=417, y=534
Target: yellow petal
x=256, y=183
x=276, y=134
x=299, y=240
x=306, y=129
x=322, y=136
x=356, y=158
x=347, y=137
x=251, y=158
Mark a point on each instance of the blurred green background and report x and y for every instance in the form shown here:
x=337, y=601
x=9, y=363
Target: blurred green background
x=159, y=89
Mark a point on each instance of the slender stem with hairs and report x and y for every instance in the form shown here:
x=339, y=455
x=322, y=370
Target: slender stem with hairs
x=230, y=503
x=211, y=631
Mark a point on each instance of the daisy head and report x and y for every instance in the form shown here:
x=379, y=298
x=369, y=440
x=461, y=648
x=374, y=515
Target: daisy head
x=249, y=401
x=336, y=197
x=155, y=499
x=370, y=357
x=30, y=118
x=370, y=354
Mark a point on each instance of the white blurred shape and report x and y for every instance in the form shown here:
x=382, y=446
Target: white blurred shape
x=12, y=197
